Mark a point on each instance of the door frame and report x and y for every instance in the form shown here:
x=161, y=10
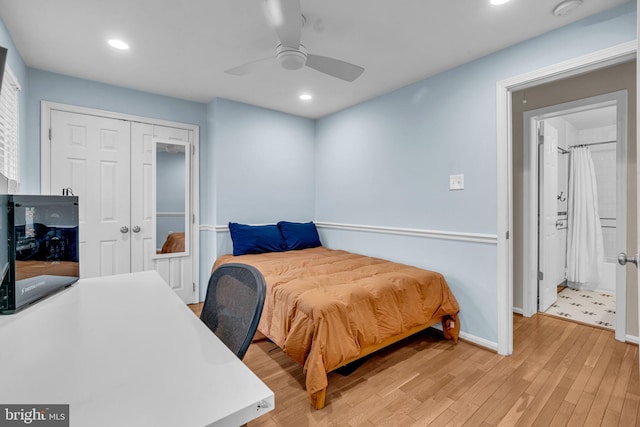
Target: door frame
x=45, y=171
x=531, y=189
x=504, y=167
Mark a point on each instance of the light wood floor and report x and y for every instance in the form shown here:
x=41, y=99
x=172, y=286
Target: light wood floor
x=560, y=374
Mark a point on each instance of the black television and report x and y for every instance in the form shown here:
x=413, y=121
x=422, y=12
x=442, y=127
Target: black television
x=41, y=253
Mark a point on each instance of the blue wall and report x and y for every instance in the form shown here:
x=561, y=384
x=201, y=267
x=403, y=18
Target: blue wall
x=262, y=165
x=387, y=162
x=261, y=170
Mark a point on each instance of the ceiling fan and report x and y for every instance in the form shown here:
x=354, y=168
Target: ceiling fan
x=287, y=19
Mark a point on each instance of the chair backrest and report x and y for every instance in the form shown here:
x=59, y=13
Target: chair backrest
x=233, y=305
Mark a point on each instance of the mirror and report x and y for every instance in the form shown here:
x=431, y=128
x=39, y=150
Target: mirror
x=171, y=197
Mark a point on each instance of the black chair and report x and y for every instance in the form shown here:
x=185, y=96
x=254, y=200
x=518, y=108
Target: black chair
x=233, y=305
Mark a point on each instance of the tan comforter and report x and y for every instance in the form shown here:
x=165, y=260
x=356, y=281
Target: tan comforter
x=174, y=243
x=324, y=306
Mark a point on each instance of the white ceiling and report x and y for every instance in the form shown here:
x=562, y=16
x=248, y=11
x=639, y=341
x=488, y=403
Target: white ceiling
x=181, y=48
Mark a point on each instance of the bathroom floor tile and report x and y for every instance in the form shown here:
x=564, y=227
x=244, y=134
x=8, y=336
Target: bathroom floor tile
x=589, y=307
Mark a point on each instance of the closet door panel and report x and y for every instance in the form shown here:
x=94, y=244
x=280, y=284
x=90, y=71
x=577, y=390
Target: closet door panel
x=178, y=271
x=91, y=156
x=142, y=249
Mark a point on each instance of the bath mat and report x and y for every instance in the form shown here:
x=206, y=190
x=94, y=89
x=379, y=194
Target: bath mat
x=589, y=307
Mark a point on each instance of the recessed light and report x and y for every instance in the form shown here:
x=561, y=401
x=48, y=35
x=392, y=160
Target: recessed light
x=566, y=7
x=498, y=2
x=118, y=44
x=306, y=97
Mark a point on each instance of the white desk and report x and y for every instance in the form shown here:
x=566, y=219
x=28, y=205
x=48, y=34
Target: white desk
x=125, y=351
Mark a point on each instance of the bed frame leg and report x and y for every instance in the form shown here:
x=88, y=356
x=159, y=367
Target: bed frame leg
x=320, y=397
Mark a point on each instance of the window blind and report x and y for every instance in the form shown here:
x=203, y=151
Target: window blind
x=9, y=108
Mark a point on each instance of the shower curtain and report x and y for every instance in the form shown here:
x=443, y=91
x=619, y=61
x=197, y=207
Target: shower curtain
x=585, y=248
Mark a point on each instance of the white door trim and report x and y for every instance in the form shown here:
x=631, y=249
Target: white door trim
x=530, y=197
x=613, y=55
x=45, y=157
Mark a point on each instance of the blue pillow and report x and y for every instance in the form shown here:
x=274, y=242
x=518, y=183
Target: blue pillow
x=256, y=239
x=299, y=235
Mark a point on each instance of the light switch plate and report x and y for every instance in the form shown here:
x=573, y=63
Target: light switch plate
x=456, y=182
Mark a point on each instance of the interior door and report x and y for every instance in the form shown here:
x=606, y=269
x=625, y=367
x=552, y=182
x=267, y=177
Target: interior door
x=549, y=256
x=91, y=156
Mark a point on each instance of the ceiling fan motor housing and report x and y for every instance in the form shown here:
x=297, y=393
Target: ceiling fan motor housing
x=291, y=58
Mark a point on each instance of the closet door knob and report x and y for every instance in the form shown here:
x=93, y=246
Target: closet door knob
x=623, y=259
x=124, y=229
x=136, y=229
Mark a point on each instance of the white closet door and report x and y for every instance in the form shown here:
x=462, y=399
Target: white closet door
x=178, y=271
x=142, y=247
x=108, y=163
x=91, y=156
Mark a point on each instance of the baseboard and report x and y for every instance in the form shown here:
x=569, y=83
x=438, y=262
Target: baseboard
x=632, y=339
x=518, y=310
x=480, y=342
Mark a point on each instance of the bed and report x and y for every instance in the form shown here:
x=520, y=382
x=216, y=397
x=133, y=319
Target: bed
x=326, y=308
x=173, y=244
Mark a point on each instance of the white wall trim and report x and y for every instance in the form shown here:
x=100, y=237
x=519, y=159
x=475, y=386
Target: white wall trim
x=599, y=59
x=415, y=232
x=214, y=228
x=582, y=64
x=432, y=234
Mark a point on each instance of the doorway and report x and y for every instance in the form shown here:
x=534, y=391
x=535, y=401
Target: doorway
x=564, y=81
x=575, y=217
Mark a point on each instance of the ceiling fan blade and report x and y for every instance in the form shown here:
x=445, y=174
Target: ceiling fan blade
x=249, y=67
x=334, y=67
x=286, y=17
